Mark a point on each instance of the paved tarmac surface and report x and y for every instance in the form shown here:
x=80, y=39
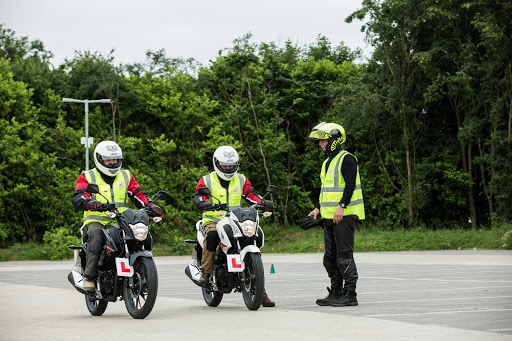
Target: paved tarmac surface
x=441, y=295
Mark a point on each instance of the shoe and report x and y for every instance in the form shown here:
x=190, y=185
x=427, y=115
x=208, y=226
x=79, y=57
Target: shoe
x=88, y=285
x=333, y=295
x=349, y=300
x=267, y=302
x=204, y=280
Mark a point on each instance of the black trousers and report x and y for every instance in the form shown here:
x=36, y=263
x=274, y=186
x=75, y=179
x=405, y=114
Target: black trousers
x=339, y=253
x=93, y=235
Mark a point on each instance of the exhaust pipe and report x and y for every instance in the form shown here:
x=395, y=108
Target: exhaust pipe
x=76, y=279
x=193, y=273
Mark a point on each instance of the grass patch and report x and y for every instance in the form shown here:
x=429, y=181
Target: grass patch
x=291, y=239
x=28, y=251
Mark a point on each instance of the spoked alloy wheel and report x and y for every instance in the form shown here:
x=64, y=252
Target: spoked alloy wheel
x=254, y=286
x=140, y=299
x=95, y=306
x=212, y=298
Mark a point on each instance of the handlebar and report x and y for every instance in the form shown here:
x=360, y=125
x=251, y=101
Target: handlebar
x=221, y=207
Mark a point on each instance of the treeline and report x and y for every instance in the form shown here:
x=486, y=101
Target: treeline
x=428, y=115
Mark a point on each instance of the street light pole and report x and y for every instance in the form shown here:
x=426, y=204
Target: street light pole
x=86, y=141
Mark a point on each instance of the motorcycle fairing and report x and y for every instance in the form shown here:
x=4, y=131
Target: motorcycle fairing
x=224, y=231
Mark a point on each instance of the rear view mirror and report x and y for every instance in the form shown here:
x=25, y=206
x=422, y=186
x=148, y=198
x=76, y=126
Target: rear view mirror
x=92, y=188
x=204, y=191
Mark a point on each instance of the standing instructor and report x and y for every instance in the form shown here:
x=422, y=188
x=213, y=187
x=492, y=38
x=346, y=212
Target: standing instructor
x=341, y=207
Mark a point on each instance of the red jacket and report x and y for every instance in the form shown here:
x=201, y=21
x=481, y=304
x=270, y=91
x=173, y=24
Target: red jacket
x=81, y=198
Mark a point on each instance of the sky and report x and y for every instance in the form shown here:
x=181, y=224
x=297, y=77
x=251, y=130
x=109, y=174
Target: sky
x=185, y=29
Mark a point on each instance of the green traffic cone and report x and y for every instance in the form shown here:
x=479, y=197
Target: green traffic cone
x=272, y=271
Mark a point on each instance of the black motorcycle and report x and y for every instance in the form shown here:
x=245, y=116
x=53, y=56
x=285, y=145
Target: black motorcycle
x=126, y=267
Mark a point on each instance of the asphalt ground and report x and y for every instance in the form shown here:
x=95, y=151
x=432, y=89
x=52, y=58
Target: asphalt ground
x=442, y=295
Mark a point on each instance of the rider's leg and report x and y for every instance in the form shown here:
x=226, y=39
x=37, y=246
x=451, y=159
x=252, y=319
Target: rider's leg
x=93, y=236
x=209, y=248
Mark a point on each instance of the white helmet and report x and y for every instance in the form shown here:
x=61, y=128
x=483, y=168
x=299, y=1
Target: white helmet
x=225, y=156
x=108, y=150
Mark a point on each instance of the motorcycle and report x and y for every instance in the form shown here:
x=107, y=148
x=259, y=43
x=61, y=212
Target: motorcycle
x=238, y=264
x=126, y=267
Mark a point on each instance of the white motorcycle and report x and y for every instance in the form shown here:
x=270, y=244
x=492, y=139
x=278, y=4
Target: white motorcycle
x=238, y=264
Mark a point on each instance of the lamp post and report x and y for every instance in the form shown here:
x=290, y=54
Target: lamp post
x=86, y=141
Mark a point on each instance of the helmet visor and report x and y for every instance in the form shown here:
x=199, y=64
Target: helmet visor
x=318, y=133
x=227, y=167
x=112, y=157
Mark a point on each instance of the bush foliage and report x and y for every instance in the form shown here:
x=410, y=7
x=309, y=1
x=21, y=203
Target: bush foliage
x=428, y=116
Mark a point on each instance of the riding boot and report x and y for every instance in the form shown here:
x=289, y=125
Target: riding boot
x=267, y=302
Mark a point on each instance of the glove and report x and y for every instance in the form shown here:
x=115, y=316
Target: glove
x=269, y=205
x=205, y=206
x=309, y=222
x=95, y=205
x=155, y=208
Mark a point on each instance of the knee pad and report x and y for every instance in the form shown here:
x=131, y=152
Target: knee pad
x=95, y=242
x=212, y=240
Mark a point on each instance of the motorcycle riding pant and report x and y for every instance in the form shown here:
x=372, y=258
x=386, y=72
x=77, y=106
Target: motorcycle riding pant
x=338, y=255
x=209, y=246
x=95, y=240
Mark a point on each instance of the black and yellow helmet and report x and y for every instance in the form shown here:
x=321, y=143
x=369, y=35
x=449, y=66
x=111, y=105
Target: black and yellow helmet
x=334, y=133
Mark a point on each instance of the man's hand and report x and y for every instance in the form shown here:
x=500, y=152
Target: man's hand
x=315, y=212
x=95, y=205
x=269, y=205
x=154, y=208
x=205, y=205
x=338, y=215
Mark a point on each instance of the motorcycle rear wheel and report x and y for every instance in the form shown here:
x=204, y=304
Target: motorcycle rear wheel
x=254, y=286
x=95, y=306
x=140, y=299
x=212, y=298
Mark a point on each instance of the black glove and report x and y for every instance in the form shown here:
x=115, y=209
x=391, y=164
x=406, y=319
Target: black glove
x=205, y=206
x=95, y=205
x=154, y=208
x=309, y=222
x=269, y=205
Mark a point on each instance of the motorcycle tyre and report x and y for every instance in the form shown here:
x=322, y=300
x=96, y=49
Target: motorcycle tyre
x=254, y=296
x=152, y=289
x=212, y=298
x=95, y=306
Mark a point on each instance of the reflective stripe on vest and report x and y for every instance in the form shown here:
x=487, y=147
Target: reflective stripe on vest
x=332, y=189
x=233, y=196
x=118, y=196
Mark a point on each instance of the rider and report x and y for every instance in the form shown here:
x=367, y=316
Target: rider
x=115, y=184
x=229, y=187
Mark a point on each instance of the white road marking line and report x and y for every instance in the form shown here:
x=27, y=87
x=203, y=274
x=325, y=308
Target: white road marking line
x=440, y=312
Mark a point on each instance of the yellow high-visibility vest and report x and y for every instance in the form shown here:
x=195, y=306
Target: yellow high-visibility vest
x=117, y=197
x=333, y=185
x=233, y=196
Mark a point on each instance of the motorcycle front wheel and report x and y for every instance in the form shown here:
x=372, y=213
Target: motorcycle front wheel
x=95, y=306
x=141, y=297
x=253, y=286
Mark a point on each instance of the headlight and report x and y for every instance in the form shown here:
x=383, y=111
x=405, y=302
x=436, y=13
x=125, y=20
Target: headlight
x=140, y=231
x=248, y=228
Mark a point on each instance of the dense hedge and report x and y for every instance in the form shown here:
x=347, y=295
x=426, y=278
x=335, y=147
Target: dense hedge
x=428, y=117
